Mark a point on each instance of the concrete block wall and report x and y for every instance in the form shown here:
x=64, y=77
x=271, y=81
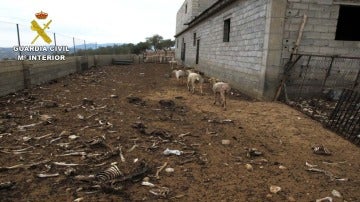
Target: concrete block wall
x=319, y=38
x=182, y=17
x=320, y=29
x=17, y=75
x=11, y=77
x=238, y=61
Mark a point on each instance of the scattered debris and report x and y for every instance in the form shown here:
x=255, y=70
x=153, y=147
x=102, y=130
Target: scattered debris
x=88, y=102
x=149, y=184
x=220, y=121
x=7, y=185
x=175, y=152
x=78, y=199
x=253, y=152
x=274, y=189
x=225, y=142
x=167, y=104
x=22, y=128
x=136, y=101
x=326, y=199
x=49, y=104
x=161, y=191
x=310, y=165
x=184, y=134
x=249, y=167
x=281, y=167
x=327, y=173
x=159, y=170
x=109, y=174
x=169, y=170
x=66, y=164
x=336, y=193
x=321, y=150
x=42, y=175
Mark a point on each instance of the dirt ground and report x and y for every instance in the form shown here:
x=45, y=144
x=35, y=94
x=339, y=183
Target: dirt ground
x=76, y=128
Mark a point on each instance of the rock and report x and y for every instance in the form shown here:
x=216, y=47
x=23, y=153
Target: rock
x=225, y=142
x=249, y=167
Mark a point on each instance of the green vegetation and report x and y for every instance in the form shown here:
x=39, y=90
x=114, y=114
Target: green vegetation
x=155, y=42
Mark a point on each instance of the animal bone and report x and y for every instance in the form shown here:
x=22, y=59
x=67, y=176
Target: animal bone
x=41, y=175
x=159, y=170
x=184, y=134
x=66, y=164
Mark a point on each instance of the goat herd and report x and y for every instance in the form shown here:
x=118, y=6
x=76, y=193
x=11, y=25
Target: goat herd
x=219, y=88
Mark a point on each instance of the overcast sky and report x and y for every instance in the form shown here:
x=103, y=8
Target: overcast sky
x=104, y=21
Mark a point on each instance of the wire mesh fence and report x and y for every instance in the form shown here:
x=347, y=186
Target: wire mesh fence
x=14, y=35
x=327, y=89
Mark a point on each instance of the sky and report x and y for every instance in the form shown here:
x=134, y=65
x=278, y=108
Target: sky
x=103, y=21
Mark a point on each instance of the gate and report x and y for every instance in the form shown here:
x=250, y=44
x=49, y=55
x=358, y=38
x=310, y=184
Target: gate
x=345, y=118
x=326, y=88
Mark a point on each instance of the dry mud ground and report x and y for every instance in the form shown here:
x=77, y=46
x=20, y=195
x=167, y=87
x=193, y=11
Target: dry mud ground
x=43, y=128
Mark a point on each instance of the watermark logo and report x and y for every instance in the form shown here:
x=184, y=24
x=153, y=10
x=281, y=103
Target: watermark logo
x=41, y=53
x=41, y=31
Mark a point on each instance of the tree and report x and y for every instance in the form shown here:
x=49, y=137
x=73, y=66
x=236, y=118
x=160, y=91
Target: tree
x=140, y=47
x=154, y=41
x=167, y=44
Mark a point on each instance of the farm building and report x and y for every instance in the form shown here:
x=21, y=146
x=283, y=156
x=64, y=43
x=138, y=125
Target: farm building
x=249, y=42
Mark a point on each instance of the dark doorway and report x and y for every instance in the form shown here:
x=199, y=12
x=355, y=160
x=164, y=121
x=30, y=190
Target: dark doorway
x=183, y=52
x=197, y=51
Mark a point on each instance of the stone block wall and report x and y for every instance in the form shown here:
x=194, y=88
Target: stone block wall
x=238, y=61
x=320, y=28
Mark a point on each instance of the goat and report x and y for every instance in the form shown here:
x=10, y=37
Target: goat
x=172, y=62
x=221, y=89
x=179, y=74
x=194, y=78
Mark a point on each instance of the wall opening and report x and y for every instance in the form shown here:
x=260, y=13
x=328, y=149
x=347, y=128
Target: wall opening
x=197, y=51
x=348, y=25
x=226, y=37
x=185, y=8
x=183, y=48
x=194, y=38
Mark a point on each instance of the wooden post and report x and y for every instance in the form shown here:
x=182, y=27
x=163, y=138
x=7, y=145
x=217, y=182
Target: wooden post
x=288, y=65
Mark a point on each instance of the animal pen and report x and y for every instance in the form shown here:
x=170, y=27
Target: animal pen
x=327, y=89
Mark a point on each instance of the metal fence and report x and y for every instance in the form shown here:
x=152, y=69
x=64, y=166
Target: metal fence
x=326, y=88
x=13, y=34
x=316, y=75
x=345, y=118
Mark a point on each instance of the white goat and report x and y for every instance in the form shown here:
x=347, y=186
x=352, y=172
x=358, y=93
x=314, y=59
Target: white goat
x=221, y=89
x=194, y=78
x=179, y=74
x=172, y=62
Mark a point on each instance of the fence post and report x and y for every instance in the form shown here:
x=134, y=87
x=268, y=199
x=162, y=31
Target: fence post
x=85, y=48
x=18, y=35
x=55, y=42
x=74, y=46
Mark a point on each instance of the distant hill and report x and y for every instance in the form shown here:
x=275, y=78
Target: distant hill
x=8, y=53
